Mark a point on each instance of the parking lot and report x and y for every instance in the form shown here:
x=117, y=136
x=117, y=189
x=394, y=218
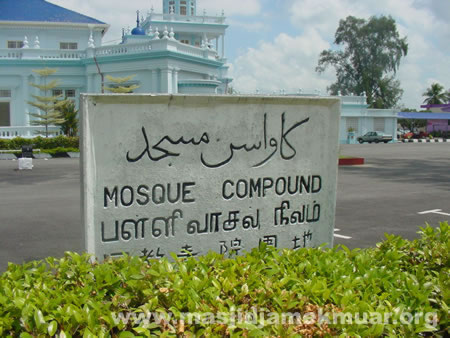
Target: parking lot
x=396, y=191
x=400, y=187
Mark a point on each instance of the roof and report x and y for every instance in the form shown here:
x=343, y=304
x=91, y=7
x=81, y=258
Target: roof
x=424, y=116
x=435, y=105
x=40, y=11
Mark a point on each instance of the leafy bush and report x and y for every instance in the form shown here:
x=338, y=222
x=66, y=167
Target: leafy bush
x=60, y=151
x=440, y=134
x=40, y=142
x=73, y=296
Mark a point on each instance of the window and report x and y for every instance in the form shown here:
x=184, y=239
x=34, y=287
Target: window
x=15, y=44
x=70, y=93
x=378, y=124
x=197, y=44
x=65, y=93
x=172, y=6
x=5, y=93
x=352, y=122
x=57, y=92
x=68, y=45
x=183, y=8
x=4, y=114
x=185, y=41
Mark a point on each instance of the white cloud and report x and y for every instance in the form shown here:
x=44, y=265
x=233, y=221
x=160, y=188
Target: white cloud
x=254, y=26
x=231, y=7
x=122, y=14
x=426, y=26
x=286, y=63
x=118, y=14
x=324, y=15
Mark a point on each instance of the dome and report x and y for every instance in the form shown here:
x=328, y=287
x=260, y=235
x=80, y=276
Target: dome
x=137, y=31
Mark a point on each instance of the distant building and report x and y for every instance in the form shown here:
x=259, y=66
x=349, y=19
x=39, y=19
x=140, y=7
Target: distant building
x=437, y=121
x=356, y=116
x=176, y=51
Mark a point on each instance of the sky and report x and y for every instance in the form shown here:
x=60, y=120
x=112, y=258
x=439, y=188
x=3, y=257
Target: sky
x=274, y=45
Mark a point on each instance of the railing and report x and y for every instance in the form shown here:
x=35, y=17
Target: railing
x=122, y=49
x=10, y=53
x=353, y=100
x=186, y=49
x=129, y=48
x=154, y=45
x=32, y=53
x=188, y=18
x=28, y=132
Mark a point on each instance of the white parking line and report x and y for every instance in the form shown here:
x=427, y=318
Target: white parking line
x=341, y=236
x=434, y=211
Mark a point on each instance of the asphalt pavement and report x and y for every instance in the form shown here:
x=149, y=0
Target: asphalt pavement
x=398, y=190
x=401, y=187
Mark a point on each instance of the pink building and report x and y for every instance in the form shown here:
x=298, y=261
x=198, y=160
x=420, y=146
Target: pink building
x=437, y=124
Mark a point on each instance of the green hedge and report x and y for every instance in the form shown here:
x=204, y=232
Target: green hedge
x=60, y=151
x=40, y=142
x=74, y=297
x=55, y=152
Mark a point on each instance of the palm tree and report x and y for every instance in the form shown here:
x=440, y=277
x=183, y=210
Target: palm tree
x=435, y=94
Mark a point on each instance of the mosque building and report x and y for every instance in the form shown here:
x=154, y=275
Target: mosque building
x=172, y=52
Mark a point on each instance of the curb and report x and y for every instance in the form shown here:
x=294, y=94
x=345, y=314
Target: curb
x=12, y=156
x=351, y=161
x=422, y=140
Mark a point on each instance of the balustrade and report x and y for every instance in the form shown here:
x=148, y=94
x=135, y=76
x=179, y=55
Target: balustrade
x=122, y=49
x=27, y=132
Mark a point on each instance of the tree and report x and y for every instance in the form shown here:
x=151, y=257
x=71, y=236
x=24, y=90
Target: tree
x=49, y=105
x=120, y=84
x=69, y=114
x=435, y=94
x=371, y=54
x=411, y=124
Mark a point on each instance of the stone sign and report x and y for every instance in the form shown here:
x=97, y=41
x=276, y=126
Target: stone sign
x=190, y=174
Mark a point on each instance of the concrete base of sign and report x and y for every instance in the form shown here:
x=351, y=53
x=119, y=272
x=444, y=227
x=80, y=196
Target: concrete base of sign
x=8, y=157
x=25, y=163
x=42, y=155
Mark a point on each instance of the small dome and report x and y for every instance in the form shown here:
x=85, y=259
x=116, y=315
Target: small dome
x=138, y=31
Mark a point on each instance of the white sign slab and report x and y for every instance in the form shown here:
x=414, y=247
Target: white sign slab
x=190, y=174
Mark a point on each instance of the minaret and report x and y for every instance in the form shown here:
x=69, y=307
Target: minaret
x=180, y=7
